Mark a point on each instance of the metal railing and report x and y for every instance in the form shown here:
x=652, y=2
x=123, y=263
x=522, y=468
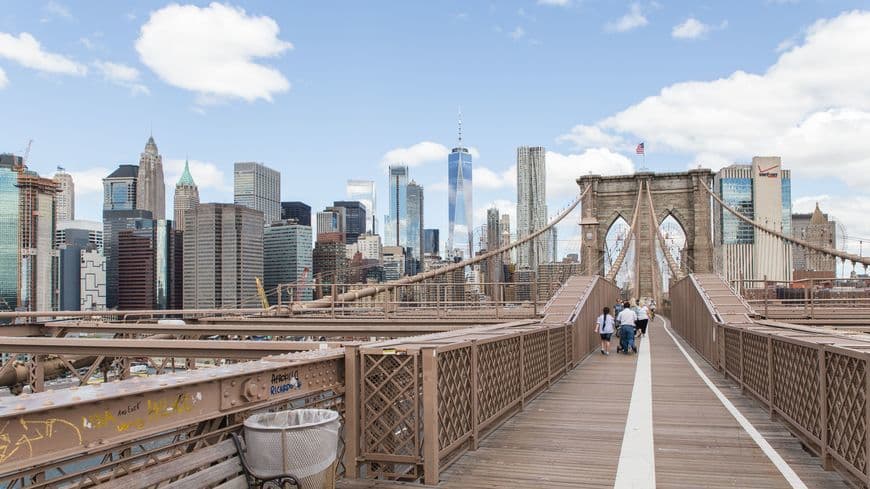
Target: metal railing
x=817, y=383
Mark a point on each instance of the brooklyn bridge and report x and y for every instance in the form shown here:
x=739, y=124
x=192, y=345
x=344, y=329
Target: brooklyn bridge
x=731, y=387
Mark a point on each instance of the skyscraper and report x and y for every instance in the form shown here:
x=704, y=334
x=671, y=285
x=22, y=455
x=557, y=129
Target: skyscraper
x=396, y=222
x=494, y=266
x=355, y=218
x=150, y=191
x=9, y=228
x=431, y=242
x=119, y=213
x=259, y=187
x=532, y=205
x=762, y=192
x=288, y=246
x=73, y=238
x=65, y=198
x=363, y=191
x=298, y=211
x=27, y=219
x=505, y=224
x=223, y=254
x=186, y=197
x=817, y=229
x=415, y=226
x=460, y=207
x=331, y=225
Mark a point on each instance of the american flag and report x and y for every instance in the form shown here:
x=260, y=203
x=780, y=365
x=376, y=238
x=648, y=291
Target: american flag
x=639, y=149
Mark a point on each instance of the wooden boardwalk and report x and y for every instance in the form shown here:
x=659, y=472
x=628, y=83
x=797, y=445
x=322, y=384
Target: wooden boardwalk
x=571, y=435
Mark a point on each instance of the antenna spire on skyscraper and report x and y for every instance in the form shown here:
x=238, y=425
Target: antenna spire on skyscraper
x=460, y=126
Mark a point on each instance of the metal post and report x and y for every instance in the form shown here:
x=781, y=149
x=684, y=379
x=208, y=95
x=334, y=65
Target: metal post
x=334, y=292
x=475, y=399
x=352, y=411
x=827, y=462
x=431, y=466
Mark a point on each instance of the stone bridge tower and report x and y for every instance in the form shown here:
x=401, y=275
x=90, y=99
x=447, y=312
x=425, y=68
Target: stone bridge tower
x=676, y=194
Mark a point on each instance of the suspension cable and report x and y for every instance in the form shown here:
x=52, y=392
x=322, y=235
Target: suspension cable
x=377, y=289
x=799, y=242
x=617, y=264
x=672, y=264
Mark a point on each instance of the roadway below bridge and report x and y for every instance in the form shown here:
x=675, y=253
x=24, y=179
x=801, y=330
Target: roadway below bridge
x=663, y=418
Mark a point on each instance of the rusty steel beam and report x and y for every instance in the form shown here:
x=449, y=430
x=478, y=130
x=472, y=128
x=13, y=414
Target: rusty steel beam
x=384, y=329
x=110, y=313
x=21, y=330
x=54, y=425
x=157, y=348
x=349, y=321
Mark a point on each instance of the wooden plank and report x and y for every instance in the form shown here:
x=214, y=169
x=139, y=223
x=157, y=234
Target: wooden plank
x=230, y=467
x=240, y=482
x=173, y=468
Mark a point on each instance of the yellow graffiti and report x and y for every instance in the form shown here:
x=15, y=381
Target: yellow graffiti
x=99, y=420
x=32, y=433
x=154, y=411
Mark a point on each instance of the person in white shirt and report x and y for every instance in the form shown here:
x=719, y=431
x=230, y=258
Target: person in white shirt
x=627, y=319
x=604, y=327
x=642, y=319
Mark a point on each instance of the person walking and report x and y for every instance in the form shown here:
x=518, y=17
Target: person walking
x=642, y=319
x=627, y=319
x=604, y=327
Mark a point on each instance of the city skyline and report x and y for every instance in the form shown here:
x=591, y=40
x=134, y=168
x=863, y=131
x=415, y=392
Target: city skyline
x=593, y=129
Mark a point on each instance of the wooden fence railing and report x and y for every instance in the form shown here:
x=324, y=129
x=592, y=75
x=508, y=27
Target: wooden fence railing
x=425, y=401
x=816, y=382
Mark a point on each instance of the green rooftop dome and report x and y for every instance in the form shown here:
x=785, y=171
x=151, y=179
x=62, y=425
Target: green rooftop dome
x=185, y=179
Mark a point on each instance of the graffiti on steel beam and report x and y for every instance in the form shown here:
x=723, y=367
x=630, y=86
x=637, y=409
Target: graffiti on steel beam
x=34, y=435
x=137, y=416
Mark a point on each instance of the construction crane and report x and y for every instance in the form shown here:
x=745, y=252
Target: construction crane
x=262, y=293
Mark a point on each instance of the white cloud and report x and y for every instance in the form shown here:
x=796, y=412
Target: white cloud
x=807, y=107
x=437, y=186
x=584, y=136
x=26, y=51
x=116, y=71
x=55, y=9
x=3, y=80
x=555, y=3
x=123, y=75
x=564, y=169
x=420, y=153
x=212, y=51
x=416, y=154
x=207, y=175
x=90, y=181
x=484, y=178
x=517, y=33
x=691, y=28
x=633, y=19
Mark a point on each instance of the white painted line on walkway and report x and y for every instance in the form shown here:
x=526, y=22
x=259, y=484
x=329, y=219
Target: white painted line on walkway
x=637, y=465
x=784, y=468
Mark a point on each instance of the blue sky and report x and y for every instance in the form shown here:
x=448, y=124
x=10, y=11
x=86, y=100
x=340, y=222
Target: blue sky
x=324, y=91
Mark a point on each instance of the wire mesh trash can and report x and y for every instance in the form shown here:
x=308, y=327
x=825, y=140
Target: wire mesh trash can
x=300, y=442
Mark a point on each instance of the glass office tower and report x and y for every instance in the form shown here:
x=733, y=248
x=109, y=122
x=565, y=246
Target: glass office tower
x=364, y=191
x=396, y=222
x=9, y=220
x=459, y=231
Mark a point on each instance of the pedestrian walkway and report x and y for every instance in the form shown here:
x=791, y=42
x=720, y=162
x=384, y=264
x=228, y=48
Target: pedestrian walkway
x=573, y=434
